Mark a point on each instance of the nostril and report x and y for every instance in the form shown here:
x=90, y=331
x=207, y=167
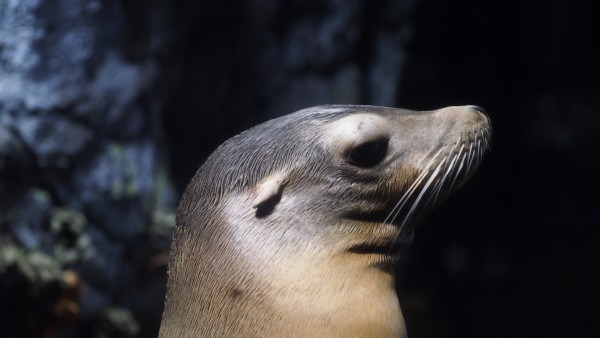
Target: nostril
x=479, y=109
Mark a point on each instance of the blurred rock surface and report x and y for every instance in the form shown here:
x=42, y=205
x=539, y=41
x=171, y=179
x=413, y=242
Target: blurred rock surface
x=103, y=102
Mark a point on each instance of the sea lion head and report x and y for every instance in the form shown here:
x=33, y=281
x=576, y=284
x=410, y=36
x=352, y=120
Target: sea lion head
x=300, y=208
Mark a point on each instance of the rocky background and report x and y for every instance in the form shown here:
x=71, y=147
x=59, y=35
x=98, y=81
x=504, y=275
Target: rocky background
x=108, y=107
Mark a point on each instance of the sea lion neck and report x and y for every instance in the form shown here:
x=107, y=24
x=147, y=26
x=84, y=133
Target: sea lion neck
x=278, y=271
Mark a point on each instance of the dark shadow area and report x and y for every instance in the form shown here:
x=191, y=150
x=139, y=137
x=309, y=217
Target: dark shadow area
x=514, y=253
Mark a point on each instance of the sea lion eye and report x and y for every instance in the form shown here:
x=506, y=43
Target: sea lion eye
x=368, y=154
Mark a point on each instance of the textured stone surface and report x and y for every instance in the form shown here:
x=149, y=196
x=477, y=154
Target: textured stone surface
x=280, y=56
x=81, y=160
x=96, y=97
x=52, y=140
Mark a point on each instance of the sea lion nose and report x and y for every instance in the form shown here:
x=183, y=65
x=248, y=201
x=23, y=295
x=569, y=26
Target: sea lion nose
x=477, y=108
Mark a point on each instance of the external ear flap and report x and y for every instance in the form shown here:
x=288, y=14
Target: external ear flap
x=268, y=194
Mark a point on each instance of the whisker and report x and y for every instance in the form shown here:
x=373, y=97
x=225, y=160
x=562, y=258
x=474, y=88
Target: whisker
x=485, y=138
x=452, y=169
x=395, y=211
x=437, y=188
x=436, y=175
x=471, y=155
x=479, y=152
x=460, y=155
x=447, y=172
x=420, y=196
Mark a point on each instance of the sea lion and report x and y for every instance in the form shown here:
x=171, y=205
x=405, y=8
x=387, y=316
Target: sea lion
x=291, y=228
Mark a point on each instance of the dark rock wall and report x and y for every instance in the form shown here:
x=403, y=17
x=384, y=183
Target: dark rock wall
x=103, y=102
x=107, y=108
x=84, y=172
x=255, y=60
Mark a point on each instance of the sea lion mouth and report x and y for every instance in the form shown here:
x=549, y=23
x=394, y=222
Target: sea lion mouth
x=388, y=239
x=391, y=248
x=369, y=217
x=388, y=242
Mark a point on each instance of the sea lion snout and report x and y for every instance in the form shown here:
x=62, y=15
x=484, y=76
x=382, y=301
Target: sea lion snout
x=469, y=114
x=477, y=108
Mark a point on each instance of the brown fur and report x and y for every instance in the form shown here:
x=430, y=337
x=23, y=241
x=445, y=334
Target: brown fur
x=276, y=232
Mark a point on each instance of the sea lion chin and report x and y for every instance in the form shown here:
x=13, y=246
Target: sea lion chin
x=291, y=227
